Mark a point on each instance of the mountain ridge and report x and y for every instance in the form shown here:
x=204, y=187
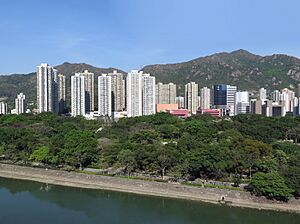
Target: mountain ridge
x=246, y=70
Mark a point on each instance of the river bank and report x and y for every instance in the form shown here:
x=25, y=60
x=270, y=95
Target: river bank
x=171, y=190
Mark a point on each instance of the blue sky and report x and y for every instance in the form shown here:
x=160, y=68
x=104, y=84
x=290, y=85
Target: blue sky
x=129, y=34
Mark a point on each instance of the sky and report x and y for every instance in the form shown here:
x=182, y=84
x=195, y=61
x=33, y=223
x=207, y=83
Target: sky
x=129, y=34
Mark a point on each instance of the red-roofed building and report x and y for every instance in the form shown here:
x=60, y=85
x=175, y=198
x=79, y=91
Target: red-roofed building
x=182, y=113
x=212, y=112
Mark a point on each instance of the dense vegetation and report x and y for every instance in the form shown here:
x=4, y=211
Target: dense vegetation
x=261, y=149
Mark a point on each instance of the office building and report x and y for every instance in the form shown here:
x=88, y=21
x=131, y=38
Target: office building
x=191, y=97
x=224, y=98
x=46, y=89
x=105, y=95
x=165, y=93
x=78, y=95
x=20, y=104
x=205, y=98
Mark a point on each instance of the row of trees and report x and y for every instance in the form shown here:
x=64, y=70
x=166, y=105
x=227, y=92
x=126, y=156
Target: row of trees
x=245, y=147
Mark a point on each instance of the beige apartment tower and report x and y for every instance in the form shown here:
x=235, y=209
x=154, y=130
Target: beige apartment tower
x=165, y=93
x=117, y=91
x=191, y=97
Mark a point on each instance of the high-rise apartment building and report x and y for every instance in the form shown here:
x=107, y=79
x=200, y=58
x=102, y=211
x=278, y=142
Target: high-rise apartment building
x=180, y=102
x=20, y=104
x=118, y=91
x=46, y=89
x=105, y=95
x=61, y=93
x=205, y=98
x=165, y=93
x=148, y=94
x=3, y=108
x=256, y=106
x=242, y=103
x=275, y=95
x=224, y=98
x=191, y=97
x=134, y=84
x=286, y=98
x=89, y=90
x=140, y=94
x=78, y=95
x=262, y=94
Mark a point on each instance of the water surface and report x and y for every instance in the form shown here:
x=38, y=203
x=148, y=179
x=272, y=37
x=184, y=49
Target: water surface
x=30, y=202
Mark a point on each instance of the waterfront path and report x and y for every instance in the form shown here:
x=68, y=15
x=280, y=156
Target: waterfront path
x=154, y=188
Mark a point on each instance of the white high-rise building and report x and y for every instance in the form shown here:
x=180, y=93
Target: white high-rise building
x=3, y=108
x=191, y=97
x=148, y=94
x=165, y=93
x=140, y=94
x=231, y=90
x=262, y=94
x=118, y=91
x=242, y=102
x=180, y=102
x=20, y=104
x=205, y=98
x=105, y=95
x=46, y=89
x=286, y=98
x=275, y=96
x=89, y=90
x=61, y=93
x=134, y=83
x=78, y=96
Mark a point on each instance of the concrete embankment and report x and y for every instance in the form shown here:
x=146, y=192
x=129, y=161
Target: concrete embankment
x=171, y=190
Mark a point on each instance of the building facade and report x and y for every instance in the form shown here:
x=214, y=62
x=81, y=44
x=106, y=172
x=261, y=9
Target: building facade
x=205, y=98
x=148, y=92
x=118, y=91
x=165, y=93
x=46, y=89
x=262, y=94
x=78, y=95
x=61, y=93
x=20, y=104
x=3, y=108
x=242, y=103
x=105, y=95
x=134, y=83
x=89, y=90
x=224, y=98
x=191, y=97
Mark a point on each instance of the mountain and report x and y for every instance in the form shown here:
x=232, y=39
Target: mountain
x=11, y=85
x=247, y=71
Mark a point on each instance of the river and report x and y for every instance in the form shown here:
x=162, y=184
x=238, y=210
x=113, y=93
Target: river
x=30, y=202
